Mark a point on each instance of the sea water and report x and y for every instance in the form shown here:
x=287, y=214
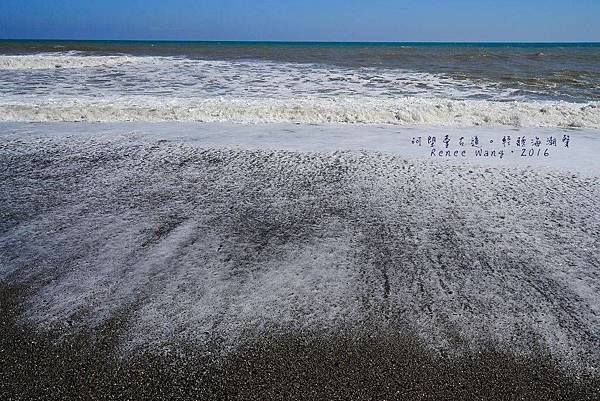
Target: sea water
x=405, y=84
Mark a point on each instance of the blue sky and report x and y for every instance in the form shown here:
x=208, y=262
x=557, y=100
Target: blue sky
x=310, y=20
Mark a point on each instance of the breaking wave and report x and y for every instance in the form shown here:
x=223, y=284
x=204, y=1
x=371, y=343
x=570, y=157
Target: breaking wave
x=76, y=86
x=402, y=111
x=54, y=61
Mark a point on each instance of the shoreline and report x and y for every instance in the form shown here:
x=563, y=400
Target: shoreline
x=582, y=157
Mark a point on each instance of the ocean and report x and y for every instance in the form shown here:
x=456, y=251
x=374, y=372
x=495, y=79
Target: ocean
x=406, y=84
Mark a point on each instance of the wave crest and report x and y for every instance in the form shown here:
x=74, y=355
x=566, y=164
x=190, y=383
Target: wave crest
x=52, y=61
x=403, y=111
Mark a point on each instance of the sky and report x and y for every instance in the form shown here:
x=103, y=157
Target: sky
x=303, y=20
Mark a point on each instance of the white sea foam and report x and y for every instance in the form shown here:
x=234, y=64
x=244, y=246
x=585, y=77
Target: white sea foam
x=402, y=111
x=61, y=60
x=184, y=77
x=135, y=88
x=193, y=242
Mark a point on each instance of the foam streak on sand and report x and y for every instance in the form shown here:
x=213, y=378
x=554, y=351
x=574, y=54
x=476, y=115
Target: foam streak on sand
x=192, y=244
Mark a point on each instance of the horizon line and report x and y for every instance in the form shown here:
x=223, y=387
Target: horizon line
x=299, y=41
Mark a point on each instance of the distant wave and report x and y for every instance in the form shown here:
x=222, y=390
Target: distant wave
x=53, y=61
x=352, y=110
x=185, y=77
